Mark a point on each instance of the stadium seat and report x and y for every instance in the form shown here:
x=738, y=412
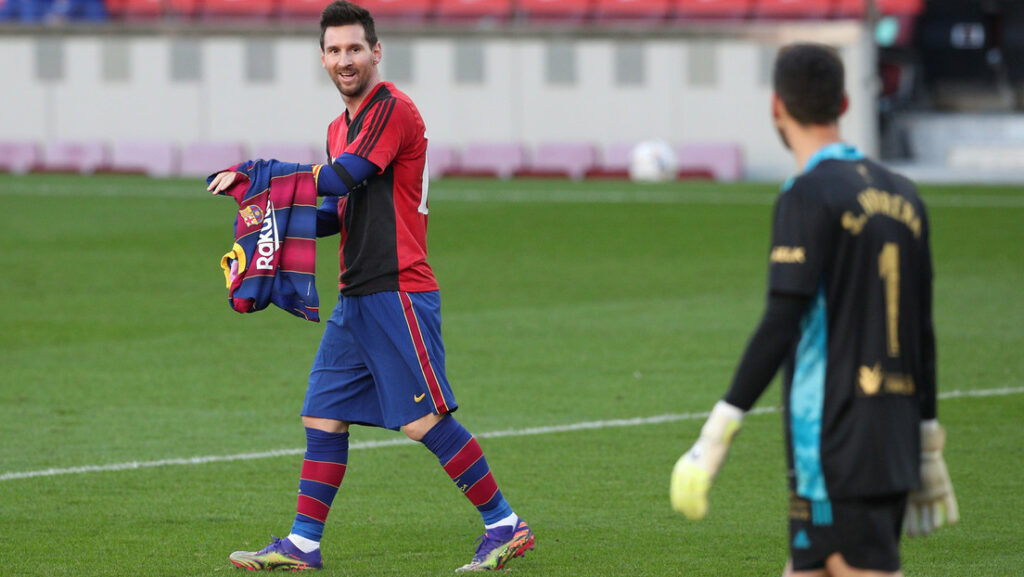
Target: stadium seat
x=399, y=9
x=290, y=152
x=796, y=9
x=564, y=159
x=441, y=160
x=491, y=159
x=300, y=8
x=183, y=8
x=697, y=9
x=18, y=156
x=77, y=10
x=205, y=158
x=135, y=9
x=153, y=158
x=235, y=9
x=723, y=161
x=858, y=8
x=632, y=9
x=556, y=10
x=464, y=10
x=25, y=10
x=76, y=157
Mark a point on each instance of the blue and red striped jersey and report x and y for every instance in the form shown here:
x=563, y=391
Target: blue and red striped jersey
x=273, y=259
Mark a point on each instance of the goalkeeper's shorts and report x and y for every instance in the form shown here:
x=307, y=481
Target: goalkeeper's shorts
x=866, y=531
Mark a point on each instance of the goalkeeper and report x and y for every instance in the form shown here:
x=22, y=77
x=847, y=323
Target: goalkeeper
x=849, y=312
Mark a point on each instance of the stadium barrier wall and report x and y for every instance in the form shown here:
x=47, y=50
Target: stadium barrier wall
x=191, y=83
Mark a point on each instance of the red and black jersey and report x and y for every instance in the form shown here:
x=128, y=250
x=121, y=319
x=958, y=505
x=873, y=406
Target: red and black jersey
x=384, y=222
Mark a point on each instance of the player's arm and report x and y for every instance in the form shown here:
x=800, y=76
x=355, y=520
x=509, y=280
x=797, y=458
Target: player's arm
x=767, y=349
x=934, y=504
x=335, y=180
x=344, y=174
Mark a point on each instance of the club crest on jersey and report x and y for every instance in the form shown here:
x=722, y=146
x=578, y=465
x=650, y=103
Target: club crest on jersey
x=252, y=215
x=269, y=242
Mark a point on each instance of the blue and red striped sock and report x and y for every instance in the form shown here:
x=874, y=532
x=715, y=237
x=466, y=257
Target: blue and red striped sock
x=322, y=472
x=463, y=460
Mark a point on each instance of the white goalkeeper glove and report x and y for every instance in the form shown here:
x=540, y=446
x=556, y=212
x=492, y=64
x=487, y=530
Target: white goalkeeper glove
x=934, y=504
x=697, y=468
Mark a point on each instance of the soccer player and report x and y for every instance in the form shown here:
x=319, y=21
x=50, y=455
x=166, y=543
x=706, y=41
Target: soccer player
x=381, y=359
x=849, y=308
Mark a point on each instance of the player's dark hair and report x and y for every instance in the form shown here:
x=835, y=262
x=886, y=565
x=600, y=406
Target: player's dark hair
x=808, y=78
x=343, y=13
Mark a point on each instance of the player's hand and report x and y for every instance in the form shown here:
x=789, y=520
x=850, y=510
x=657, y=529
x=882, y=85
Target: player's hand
x=934, y=504
x=697, y=468
x=222, y=182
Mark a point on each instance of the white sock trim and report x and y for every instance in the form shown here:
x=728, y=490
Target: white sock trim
x=305, y=545
x=511, y=520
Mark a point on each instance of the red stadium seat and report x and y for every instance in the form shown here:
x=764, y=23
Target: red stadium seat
x=185, y=8
x=399, y=9
x=135, y=9
x=238, y=8
x=556, y=9
x=301, y=8
x=633, y=9
x=792, y=8
x=474, y=9
x=713, y=8
x=858, y=8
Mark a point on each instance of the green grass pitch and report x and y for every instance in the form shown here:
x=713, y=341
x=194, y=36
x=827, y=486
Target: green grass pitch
x=564, y=303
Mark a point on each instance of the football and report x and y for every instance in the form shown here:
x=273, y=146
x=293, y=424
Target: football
x=652, y=161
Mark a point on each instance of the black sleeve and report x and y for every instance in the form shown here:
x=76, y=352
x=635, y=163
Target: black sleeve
x=801, y=229
x=767, y=349
x=928, y=386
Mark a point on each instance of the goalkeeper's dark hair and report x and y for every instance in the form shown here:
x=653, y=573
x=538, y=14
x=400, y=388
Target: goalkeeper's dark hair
x=809, y=79
x=342, y=13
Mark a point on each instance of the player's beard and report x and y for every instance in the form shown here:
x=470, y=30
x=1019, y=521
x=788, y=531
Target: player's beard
x=356, y=88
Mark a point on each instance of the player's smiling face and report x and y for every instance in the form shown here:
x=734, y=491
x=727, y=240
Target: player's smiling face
x=350, y=60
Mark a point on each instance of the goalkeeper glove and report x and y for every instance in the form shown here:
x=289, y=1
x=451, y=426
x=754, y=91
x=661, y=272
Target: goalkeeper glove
x=934, y=504
x=697, y=468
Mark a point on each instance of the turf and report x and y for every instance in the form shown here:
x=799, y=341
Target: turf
x=563, y=303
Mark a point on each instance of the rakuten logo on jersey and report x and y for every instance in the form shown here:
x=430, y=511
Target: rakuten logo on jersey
x=269, y=242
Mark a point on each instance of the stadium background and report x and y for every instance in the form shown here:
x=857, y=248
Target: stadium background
x=149, y=430
x=556, y=86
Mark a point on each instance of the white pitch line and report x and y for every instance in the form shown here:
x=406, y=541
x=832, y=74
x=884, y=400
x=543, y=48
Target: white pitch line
x=172, y=189
x=356, y=445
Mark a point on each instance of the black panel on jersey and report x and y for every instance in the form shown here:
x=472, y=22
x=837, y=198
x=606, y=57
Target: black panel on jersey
x=370, y=251
x=370, y=229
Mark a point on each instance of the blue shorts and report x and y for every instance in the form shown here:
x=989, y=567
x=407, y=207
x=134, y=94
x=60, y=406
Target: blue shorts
x=381, y=361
